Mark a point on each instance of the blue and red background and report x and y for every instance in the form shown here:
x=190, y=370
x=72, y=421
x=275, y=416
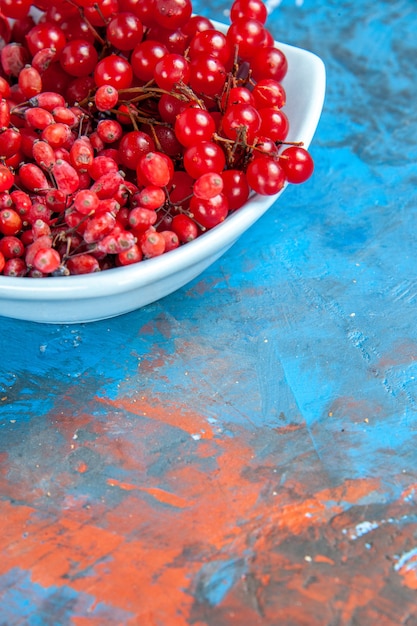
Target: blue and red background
x=242, y=452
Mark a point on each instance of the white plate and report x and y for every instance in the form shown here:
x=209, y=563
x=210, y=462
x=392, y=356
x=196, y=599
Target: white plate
x=113, y=292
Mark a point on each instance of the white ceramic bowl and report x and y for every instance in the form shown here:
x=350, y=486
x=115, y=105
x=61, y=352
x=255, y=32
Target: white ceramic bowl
x=113, y=292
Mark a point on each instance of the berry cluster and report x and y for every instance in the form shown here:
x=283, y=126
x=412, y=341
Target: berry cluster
x=130, y=127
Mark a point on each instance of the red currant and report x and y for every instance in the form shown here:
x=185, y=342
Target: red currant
x=266, y=176
x=297, y=164
x=124, y=31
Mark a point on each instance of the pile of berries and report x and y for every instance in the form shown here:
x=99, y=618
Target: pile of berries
x=130, y=127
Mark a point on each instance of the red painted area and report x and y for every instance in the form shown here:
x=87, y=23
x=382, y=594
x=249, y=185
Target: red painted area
x=145, y=515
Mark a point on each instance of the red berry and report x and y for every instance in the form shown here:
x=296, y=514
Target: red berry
x=152, y=243
x=30, y=81
x=171, y=240
x=209, y=212
x=82, y=264
x=32, y=178
x=208, y=185
x=194, y=124
x=144, y=58
x=185, y=228
x=86, y=201
x=124, y=31
x=252, y=9
x=266, y=176
x=133, y=145
x=248, y=35
x=241, y=121
x=172, y=14
x=269, y=62
x=6, y=178
x=66, y=177
x=47, y=260
x=113, y=70
x=297, y=164
x=15, y=267
x=45, y=35
x=11, y=246
x=205, y=156
x=10, y=222
x=133, y=255
x=78, y=58
x=106, y=97
x=170, y=70
x=16, y=9
x=155, y=168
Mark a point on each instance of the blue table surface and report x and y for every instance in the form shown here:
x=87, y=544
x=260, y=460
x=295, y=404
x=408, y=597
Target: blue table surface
x=244, y=450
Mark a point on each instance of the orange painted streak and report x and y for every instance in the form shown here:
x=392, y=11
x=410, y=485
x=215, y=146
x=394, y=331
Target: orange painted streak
x=178, y=417
x=159, y=494
x=410, y=492
x=113, y=482
x=409, y=577
x=166, y=497
x=321, y=558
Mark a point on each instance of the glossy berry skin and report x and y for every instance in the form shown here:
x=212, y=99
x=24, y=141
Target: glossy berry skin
x=297, y=164
x=235, y=188
x=11, y=247
x=145, y=56
x=98, y=13
x=113, y=70
x=133, y=255
x=209, y=212
x=171, y=69
x=78, y=58
x=194, y=124
x=241, y=120
x=208, y=185
x=124, y=31
x=155, y=168
x=274, y=124
x=30, y=81
x=265, y=176
x=248, y=35
x=269, y=93
x=172, y=14
x=252, y=9
x=106, y=98
x=13, y=57
x=46, y=35
x=10, y=222
x=169, y=107
x=15, y=268
x=269, y=62
x=133, y=145
x=82, y=264
x=152, y=243
x=6, y=178
x=171, y=240
x=15, y=9
x=47, y=260
x=211, y=42
x=207, y=75
x=185, y=228
x=237, y=95
x=203, y=157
